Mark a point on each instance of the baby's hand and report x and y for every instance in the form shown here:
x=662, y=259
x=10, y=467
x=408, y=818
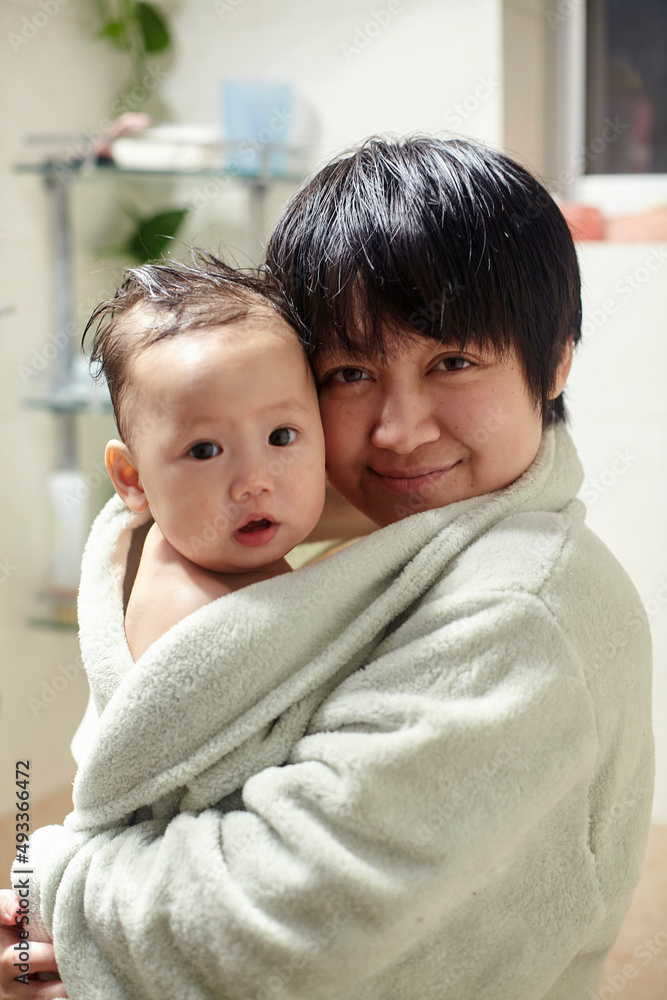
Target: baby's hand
x=8, y=904
x=41, y=963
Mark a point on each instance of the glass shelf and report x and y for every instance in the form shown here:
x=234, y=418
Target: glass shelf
x=100, y=168
x=62, y=405
x=72, y=398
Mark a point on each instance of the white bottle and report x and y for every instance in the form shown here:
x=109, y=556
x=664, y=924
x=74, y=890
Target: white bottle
x=68, y=492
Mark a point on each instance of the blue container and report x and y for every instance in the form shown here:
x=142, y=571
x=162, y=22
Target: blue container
x=257, y=117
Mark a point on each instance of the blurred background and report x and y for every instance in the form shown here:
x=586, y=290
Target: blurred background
x=124, y=122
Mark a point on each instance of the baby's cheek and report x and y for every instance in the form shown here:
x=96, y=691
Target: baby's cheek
x=308, y=488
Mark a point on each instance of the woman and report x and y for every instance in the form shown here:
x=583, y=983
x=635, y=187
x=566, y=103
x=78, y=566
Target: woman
x=467, y=812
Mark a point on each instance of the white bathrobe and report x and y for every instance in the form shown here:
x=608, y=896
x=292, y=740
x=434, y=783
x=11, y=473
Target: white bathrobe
x=419, y=770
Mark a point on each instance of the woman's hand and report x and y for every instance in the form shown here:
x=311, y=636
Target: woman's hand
x=42, y=959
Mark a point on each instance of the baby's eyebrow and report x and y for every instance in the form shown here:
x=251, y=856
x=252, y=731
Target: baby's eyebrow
x=286, y=404
x=190, y=423
x=190, y=428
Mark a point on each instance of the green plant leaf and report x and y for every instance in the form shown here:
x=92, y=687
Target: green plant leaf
x=111, y=250
x=154, y=29
x=116, y=32
x=152, y=235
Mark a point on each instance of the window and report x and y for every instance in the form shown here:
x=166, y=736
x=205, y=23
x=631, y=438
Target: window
x=626, y=87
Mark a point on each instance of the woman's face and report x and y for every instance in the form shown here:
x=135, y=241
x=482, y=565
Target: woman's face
x=431, y=426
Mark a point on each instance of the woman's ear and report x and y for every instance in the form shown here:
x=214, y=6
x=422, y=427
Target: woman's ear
x=563, y=370
x=124, y=475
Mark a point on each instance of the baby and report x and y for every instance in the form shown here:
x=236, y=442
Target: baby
x=220, y=434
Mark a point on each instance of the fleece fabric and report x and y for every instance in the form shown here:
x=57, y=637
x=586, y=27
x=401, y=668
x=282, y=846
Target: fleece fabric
x=420, y=769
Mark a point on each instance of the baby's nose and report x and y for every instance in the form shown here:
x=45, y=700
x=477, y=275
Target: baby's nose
x=252, y=481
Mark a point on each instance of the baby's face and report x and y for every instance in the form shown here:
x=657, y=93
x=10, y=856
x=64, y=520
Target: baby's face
x=228, y=442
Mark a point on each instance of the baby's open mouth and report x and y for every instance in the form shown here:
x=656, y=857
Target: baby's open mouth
x=257, y=531
x=256, y=525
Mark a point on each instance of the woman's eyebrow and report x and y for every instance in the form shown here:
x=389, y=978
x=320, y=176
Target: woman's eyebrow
x=339, y=354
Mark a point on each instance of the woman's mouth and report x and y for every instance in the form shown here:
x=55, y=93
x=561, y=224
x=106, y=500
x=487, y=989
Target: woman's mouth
x=257, y=530
x=413, y=480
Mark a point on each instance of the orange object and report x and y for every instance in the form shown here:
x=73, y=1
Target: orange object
x=647, y=226
x=585, y=221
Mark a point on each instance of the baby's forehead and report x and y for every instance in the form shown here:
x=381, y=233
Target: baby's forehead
x=193, y=377
x=147, y=325
x=175, y=343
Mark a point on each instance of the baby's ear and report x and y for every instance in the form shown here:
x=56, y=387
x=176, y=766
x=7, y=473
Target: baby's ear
x=124, y=475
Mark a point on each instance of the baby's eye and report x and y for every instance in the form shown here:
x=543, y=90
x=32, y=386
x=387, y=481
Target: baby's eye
x=282, y=436
x=204, y=450
x=455, y=364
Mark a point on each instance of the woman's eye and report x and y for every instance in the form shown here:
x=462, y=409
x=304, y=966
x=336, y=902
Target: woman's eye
x=346, y=375
x=454, y=364
x=204, y=450
x=282, y=436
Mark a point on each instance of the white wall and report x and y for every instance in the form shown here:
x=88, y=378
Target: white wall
x=435, y=65
x=618, y=406
x=358, y=77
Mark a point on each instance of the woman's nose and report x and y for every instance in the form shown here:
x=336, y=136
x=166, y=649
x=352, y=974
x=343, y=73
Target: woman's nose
x=405, y=422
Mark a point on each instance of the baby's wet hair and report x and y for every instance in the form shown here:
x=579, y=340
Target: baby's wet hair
x=168, y=299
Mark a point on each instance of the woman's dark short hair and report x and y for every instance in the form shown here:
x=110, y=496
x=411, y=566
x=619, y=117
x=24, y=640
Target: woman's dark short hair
x=435, y=238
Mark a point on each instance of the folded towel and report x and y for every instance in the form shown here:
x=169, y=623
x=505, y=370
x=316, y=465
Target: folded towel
x=421, y=768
